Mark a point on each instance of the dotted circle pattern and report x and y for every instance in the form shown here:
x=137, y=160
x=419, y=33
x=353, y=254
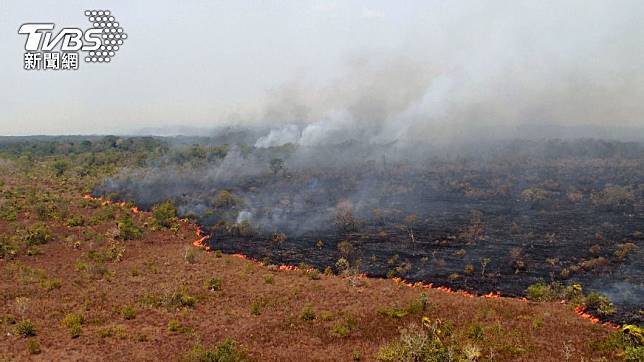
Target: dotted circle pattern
x=112, y=37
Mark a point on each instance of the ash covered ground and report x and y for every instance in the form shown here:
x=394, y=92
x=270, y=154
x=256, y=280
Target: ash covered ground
x=496, y=216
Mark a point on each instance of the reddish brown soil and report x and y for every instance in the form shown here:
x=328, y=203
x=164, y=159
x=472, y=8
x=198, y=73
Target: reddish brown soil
x=512, y=329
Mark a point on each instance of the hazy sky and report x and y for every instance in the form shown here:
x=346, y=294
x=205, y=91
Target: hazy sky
x=205, y=63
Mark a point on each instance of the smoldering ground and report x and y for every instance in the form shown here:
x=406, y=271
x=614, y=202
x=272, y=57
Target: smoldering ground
x=491, y=217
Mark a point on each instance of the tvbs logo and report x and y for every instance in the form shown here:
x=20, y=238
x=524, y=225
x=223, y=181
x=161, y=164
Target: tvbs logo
x=99, y=43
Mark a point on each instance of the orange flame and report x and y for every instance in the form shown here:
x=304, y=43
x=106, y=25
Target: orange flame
x=581, y=311
x=200, y=243
x=492, y=295
x=104, y=202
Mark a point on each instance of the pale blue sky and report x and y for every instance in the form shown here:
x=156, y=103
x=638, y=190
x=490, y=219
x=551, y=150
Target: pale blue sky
x=205, y=63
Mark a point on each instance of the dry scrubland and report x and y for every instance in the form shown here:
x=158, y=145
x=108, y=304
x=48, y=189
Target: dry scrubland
x=83, y=280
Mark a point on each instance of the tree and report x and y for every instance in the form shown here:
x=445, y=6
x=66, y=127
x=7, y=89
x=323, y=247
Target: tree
x=277, y=165
x=60, y=167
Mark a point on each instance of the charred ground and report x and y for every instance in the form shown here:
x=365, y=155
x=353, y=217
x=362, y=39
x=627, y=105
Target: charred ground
x=485, y=218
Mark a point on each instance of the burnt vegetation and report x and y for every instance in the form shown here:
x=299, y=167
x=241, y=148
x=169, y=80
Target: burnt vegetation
x=489, y=217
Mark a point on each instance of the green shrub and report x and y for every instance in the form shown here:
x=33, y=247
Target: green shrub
x=414, y=307
x=7, y=249
x=25, y=328
x=33, y=251
x=33, y=346
x=226, y=351
x=417, y=344
x=475, y=332
x=60, y=167
x=326, y=315
x=268, y=279
x=178, y=299
x=51, y=284
x=37, y=235
x=73, y=323
x=214, y=284
x=8, y=319
x=538, y=292
x=75, y=220
x=307, y=314
x=313, y=274
x=75, y=331
x=555, y=291
x=635, y=354
x=127, y=229
x=128, y=312
x=175, y=326
x=115, y=251
x=392, y=312
x=256, y=307
x=343, y=328
x=165, y=214
x=600, y=303
x=105, y=332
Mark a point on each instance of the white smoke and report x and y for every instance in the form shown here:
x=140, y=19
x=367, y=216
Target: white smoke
x=479, y=71
x=244, y=216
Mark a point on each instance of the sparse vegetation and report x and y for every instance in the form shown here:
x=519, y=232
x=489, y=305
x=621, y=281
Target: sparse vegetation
x=214, y=284
x=25, y=328
x=223, y=352
x=73, y=322
x=127, y=230
x=33, y=346
x=165, y=214
x=418, y=344
x=307, y=314
x=343, y=327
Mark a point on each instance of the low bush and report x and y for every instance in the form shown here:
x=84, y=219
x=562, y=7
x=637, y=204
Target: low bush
x=73, y=323
x=37, y=235
x=343, y=328
x=307, y=314
x=214, y=284
x=599, y=303
x=127, y=230
x=418, y=344
x=256, y=307
x=415, y=306
x=165, y=214
x=226, y=351
x=174, y=300
x=25, y=328
x=75, y=220
x=175, y=326
x=127, y=312
x=33, y=346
